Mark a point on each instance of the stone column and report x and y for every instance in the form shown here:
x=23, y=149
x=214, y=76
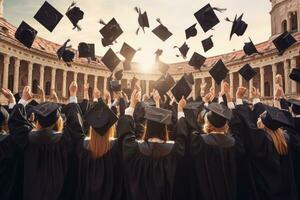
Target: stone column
x=213, y=83
x=29, y=79
x=85, y=78
x=194, y=90
x=42, y=74
x=6, y=62
x=95, y=82
x=231, y=83
x=262, y=81
x=104, y=83
x=240, y=80
x=75, y=76
x=64, y=84
x=298, y=18
x=274, y=72
x=16, y=75
x=250, y=87
x=147, y=87
x=293, y=83
x=202, y=92
x=287, y=82
x=53, y=76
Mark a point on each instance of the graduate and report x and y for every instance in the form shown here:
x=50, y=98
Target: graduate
x=213, y=150
x=150, y=164
x=99, y=156
x=269, y=148
x=46, y=152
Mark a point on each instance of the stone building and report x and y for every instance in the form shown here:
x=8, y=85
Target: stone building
x=20, y=66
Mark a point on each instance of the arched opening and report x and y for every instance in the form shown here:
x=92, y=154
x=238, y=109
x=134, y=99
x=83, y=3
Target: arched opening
x=48, y=88
x=35, y=84
x=294, y=21
x=267, y=89
x=284, y=26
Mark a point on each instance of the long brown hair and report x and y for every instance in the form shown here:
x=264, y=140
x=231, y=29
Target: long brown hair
x=159, y=131
x=278, y=140
x=100, y=145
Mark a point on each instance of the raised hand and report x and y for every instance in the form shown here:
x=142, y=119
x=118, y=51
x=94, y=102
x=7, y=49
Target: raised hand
x=8, y=95
x=26, y=95
x=207, y=97
x=156, y=98
x=240, y=93
x=135, y=98
x=73, y=88
x=107, y=97
x=181, y=104
x=96, y=93
x=255, y=92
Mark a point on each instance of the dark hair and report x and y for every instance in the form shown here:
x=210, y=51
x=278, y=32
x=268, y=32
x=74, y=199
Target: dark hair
x=155, y=130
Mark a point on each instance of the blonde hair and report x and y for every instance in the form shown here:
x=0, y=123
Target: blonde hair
x=277, y=138
x=209, y=128
x=100, y=145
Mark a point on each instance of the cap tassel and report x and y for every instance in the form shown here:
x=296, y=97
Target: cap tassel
x=220, y=9
x=137, y=31
x=102, y=22
x=139, y=49
x=136, y=9
x=210, y=36
x=228, y=20
x=72, y=5
x=158, y=20
x=78, y=28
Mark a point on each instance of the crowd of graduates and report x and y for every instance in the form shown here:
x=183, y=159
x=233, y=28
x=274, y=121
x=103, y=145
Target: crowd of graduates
x=139, y=147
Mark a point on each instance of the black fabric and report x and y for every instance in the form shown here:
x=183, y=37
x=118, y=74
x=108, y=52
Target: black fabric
x=214, y=159
x=48, y=156
x=150, y=176
x=273, y=173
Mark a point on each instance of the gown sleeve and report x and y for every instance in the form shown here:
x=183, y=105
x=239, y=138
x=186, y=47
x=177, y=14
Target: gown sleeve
x=19, y=126
x=125, y=131
x=254, y=139
x=73, y=127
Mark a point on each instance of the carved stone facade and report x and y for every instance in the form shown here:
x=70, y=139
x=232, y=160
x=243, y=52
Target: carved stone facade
x=20, y=66
x=285, y=16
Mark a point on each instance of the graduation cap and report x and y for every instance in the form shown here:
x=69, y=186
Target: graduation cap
x=191, y=112
x=128, y=52
x=207, y=18
x=197, y=61
x=65, y=54
x=219, y=72
x=142, y=19
x=86, y=50
x=273, y=118
x=184, y=49
x=207, y=43
x=162, y=31
x=101, y=118
x=182, y=88
x=114, y=86
x=249, y=48
x=284, y=41
x=190, y=78
x=247, y=72
x=158, y=115
x=295, y=75
x=110, y=32
x=25, y=34
x=48, y=16
x=75, y=15
x=238, y=26
x=218, y=114
x=110, y=60
x=191, y=32
x=47, y=113
x=164, y=84
x=295, y=104
x=119, y=75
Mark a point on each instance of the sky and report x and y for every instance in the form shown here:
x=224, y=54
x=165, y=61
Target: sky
x=177, y=15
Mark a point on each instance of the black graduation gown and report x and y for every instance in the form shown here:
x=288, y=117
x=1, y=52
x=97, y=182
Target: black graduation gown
x=99, y=178
x=214, y=159
x=10, y=169
x=273, y=174
x=46, y=154
x=150, y=167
